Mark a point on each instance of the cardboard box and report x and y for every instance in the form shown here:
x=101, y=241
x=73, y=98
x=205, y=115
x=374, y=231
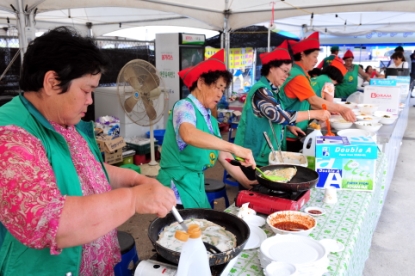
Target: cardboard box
x=387, y=97
x=111, y=148
x=346, y=164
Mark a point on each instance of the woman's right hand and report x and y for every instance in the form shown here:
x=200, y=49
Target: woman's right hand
x=245, y=154
x=321, y=115
x=153, y=198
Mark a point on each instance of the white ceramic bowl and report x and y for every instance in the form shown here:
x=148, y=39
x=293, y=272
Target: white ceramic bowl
x=280, y=268
x=350, y=105
x=282, y=222
x=367, y=109
x=291, y=158
x=314, y=211
x=368, y=118
x=386, y=118
x=340, y=124
x=372, y=127
x=350, y=133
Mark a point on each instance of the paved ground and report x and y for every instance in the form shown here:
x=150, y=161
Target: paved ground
x=392, y=250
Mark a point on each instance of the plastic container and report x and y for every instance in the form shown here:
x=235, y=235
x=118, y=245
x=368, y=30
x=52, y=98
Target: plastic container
x=193, y=258
x=309, y=147
x=158, y=135
x=154, y=268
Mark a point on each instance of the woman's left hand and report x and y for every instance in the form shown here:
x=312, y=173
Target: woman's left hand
x=296, y=131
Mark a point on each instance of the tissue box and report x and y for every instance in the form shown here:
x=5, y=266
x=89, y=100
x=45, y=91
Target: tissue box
x=346, y=163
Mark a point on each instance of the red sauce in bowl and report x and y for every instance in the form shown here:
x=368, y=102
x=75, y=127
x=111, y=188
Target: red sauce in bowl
x=290, y=226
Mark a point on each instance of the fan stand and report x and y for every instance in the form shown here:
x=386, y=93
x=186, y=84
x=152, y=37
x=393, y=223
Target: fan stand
x=153, y=161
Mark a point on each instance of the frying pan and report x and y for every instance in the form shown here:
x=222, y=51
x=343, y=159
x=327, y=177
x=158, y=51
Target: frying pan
x=230, y=222
x=303, y=180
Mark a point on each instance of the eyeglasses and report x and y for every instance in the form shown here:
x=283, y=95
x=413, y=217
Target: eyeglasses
x=286, y=72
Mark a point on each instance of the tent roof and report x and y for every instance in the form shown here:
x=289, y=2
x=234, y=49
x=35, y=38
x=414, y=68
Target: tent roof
x=106, y=15
x=252, y=36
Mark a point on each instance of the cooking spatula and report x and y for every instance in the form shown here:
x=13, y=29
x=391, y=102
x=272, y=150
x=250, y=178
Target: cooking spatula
x=273, y=178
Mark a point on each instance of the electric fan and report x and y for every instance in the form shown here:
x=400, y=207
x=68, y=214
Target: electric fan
x=142, y=95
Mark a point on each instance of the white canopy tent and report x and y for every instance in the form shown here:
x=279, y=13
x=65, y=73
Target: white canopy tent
x=99, y=17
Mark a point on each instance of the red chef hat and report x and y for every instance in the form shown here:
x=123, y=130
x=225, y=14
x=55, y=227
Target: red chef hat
x=192, y=74
x=311, y=42
x=338, y=63
x=279, y=53
x=348, y=54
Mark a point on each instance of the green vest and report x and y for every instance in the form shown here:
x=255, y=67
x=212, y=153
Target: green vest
x=250, y=128
x=327, y=61
x=16, y=258
x=349, y=84
x=318, y=83
x=295, y=104
x=186, y=167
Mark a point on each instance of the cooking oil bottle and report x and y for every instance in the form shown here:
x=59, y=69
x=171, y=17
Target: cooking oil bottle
x=194, y=259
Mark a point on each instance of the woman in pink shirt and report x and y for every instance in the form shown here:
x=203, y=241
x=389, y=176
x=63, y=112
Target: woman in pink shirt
x=59, y=203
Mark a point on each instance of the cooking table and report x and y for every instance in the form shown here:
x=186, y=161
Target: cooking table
x=351, y=221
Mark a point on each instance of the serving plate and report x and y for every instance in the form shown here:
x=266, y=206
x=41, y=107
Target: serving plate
x=256, y=237
x=297, y=250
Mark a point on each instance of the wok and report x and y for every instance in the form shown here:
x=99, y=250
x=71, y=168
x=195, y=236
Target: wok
x=303, y=180
x=230, y=222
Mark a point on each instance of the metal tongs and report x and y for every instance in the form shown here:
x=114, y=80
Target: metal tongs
x=209, y=247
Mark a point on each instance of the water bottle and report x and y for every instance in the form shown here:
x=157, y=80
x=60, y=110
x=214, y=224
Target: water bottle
x=194, y=259
x=309, y=146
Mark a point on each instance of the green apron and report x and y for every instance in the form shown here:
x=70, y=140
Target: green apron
x=318, y=83
x=15, y=257
x=250, y=128
x=327, y=61
x=349, y=84
x=185, y=168
x=295, y=104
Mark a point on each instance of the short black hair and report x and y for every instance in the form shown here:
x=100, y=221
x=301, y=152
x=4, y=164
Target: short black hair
x=212, y=76
x=333, y=73
x=315, y=72
x=398, y=55
x=367, y=68
x=64, y=51
x=273, y=63
x=399, y=49
x=297, y=56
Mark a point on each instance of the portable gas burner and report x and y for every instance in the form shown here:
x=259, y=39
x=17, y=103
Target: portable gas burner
x=215, y=270
x=267, y=201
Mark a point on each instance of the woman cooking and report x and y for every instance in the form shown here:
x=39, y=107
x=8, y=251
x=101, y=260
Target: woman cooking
x=297, y=93
x=332, y=75
x=60, y=204
x=192, y=142
x=349, y=85
x=262, y=107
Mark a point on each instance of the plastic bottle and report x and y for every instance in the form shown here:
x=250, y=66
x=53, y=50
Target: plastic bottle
x=194, y=259
x=309, y=147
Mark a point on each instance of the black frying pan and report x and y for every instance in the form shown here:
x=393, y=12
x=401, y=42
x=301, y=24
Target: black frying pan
x=303, y=180
x=232, y=223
